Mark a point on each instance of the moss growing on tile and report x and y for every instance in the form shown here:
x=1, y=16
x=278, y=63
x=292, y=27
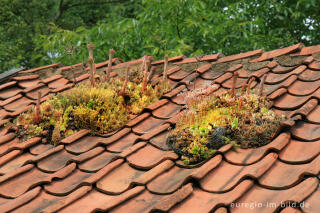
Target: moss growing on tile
x=211, y=122
x=100, y=108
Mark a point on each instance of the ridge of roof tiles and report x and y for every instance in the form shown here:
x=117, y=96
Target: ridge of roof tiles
x=133, y=170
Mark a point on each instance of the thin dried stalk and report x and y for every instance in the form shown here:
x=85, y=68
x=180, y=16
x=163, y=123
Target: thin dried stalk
x=165, y=67
x=109, y=68
x=144, y=60
x=91, y=64
x=234, y=82
x=123, y=91
x=151, y=73
x=145, y=77
x=261, y=86
x=37, y=114
x=249, y=86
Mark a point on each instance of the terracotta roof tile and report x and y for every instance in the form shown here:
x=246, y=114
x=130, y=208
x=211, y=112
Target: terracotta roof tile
x=124, y=177
x=210, y=57
x=139, y=160
x=176, y=58
x=261, y=195
x=226, y=176
x=7, y=85
x=40, y=68
x=276, y=53
x=166, y=111
x=147, y=125
x=307, y=50
x=312, y=203
x=309, y=75
x=174, y=178
x=306, y=131
x=288, y=175
x=28, y=179
x=40, y=203
x=10, y=92
x=146, y=201
x=98, y=162
x=134, y=168
x=187, y=60
x=179, y=75
x=240, y=56
x=201, y=201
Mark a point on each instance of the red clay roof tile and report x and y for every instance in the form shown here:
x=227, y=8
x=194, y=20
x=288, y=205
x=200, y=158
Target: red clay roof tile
x=210, y=57
x=311, y=204
x=10, y=92
x=288, y=175
x=187, y=60
x=307, y=50
x=201, y=201
x=140, y=161
x=261, y=195
x=176, y=58
x=146, y=201
x=276, y=53
x=293, y=154
x=240, y=56
x=253, y=155
x=306, y=131
x=226, y=176
x=39, y=68
x=309, y=75
x=171, y=180
x=314, y=65
x=166, y=111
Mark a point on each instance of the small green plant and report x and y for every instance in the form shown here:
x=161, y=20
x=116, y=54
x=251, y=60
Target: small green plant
x=102, y=108
x=213, y=121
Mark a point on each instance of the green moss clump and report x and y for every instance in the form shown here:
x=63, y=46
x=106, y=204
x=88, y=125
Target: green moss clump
x=211, y=122
x=101, y=109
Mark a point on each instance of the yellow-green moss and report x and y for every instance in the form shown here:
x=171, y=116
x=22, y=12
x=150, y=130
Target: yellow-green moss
x=211, y=122
x=100, y=109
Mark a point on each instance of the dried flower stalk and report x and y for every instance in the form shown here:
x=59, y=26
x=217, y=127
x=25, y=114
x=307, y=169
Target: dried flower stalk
x=123, y=91
x=92, y=64
x=151, y=73
x=37, y=113
x=234, y=82
x=165, y=67
x=249, y=85
x=145, y=77
x=109, y=68
x=261, y=86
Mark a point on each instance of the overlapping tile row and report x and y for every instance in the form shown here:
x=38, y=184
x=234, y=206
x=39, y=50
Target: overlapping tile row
x=135, y=170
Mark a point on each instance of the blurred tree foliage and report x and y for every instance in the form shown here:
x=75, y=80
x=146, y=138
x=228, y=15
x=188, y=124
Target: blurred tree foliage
x=35, y=33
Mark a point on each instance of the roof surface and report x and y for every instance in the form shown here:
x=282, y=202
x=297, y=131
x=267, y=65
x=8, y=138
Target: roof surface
x=133, y=170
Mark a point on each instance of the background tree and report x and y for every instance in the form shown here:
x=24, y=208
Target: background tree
x=34, y=33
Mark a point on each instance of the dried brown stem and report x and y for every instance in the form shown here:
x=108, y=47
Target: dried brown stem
x=109, y=68
x=144, y=60
x=234, y=82
x=145, y=77
x=249, y=86
x=91, y=64
x=123, y=91
x=151, y=73
x=165, y=67
x=261, y=86
x=37, y=113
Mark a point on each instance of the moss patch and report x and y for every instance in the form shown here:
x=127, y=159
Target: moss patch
x=211, y=122
x=101, y=109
